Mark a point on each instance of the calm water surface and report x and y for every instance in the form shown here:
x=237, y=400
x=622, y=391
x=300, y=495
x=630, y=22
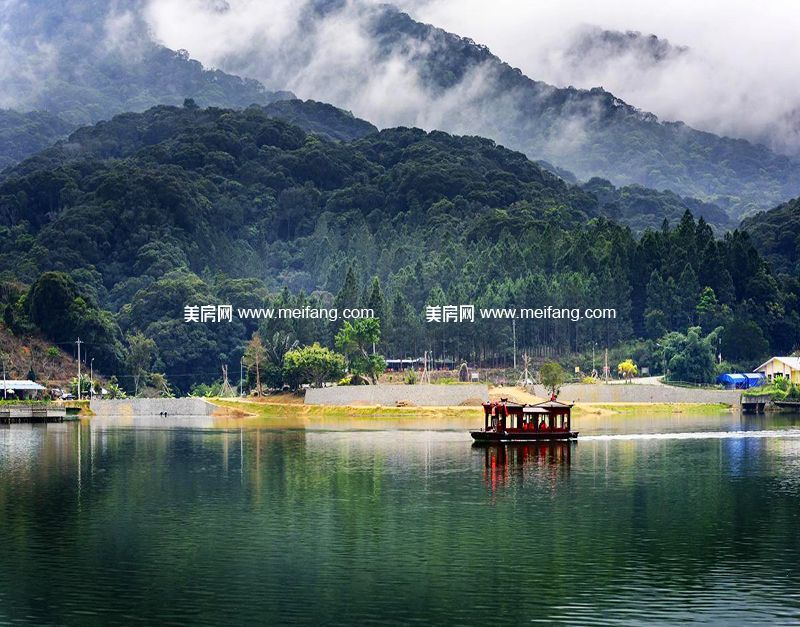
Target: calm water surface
x=667, y=520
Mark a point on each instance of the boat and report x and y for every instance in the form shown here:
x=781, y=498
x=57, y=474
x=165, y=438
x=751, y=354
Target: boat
x=506, y=421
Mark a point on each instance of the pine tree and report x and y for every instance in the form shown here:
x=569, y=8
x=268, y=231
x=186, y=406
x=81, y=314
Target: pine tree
x=375, y=300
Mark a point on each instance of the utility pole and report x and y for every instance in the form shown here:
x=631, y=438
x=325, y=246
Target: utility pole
x=91, y=380
x=5, y=384
x=241, y=376
x=79, y=367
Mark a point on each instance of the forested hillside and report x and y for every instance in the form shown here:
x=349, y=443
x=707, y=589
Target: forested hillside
x=642, y=208
x=150, y=212
x=459, y=86
x=22, y=134
x=776, y=233
x=99, y=61
x=590, y=132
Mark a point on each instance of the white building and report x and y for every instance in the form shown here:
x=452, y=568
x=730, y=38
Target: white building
x=781, y=367
x=19, y=389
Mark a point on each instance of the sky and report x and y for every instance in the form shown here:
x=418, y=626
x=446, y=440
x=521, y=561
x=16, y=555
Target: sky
x=739, y=77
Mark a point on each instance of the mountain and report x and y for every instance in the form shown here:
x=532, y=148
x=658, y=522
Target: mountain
x=776, y=234
x=23, y=134
x=125, y=223
x=86, y=61
x=221, y=173
x=596, y=45
x=454, y=84
x=591, y=133
x=321, y=118
x=642, y=208
x=80, y=62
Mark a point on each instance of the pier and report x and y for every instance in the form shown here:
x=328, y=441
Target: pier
x=755, y=404
x=17, y=414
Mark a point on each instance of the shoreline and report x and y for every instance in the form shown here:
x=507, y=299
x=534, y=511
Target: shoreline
x=265, y=408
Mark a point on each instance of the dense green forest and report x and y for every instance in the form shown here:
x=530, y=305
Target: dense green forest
x=101, y=60
x=591, y=132
x=622, y=143
x=777, y=235
x=182, y=205
x=642, y=208
x=23, y=134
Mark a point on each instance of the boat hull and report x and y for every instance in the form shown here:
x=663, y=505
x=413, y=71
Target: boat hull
x=522, y=436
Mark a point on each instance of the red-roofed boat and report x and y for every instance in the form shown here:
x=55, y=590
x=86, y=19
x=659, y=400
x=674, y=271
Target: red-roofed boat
x=506, y=421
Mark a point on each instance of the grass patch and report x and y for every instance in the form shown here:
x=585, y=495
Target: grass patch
x=273, y=410
x=279, y=410
x=642, y=409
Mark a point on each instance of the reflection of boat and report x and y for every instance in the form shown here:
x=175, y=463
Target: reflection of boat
x=543, y=459
x=539, y=453
x=513, y=422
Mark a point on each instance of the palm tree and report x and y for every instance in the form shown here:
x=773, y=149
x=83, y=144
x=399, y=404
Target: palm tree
x=277, y=346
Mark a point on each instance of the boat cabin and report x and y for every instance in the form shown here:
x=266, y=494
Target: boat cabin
x=507, y=420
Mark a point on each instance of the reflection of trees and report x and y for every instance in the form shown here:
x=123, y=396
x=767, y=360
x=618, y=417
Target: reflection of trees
x=264, y=526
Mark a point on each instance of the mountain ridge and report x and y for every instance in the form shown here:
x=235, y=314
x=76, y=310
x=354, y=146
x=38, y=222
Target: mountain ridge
x=466, y=90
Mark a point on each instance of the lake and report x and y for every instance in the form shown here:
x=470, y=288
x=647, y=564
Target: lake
x=223, y=521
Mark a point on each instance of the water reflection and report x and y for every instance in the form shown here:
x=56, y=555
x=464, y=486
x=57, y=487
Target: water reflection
x=163, y=522
x=501, y=462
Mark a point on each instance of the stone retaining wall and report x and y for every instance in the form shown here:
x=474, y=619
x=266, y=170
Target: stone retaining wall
x=152, y=407
x=635, y=393
x=392, y=395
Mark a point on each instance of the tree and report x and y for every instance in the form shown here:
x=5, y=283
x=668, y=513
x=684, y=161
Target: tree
x=254, y=356
x=552, y=377
x=313, y=364
x=627, y=369
x=48, y=303
x=275, y=349
x=357, y=341
x=710, y=312
x=114, y=390
x=690, y=356
x=278, y=345
x=58, y=307
x=158, y=381
x=86, y=385
x=348, y=295
x=401, y=332
x=743, y=340
x=688, y=290
x=375, y=300
x=139, y=360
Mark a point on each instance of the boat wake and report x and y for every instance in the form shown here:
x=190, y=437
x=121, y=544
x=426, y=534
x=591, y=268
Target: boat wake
x=698, y=435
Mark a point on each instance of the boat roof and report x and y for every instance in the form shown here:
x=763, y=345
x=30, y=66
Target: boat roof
x=535, y=410
x=553, y=405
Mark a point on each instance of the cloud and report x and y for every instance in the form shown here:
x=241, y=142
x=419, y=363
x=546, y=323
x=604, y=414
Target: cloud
x=324, y=55
x=737, y=76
